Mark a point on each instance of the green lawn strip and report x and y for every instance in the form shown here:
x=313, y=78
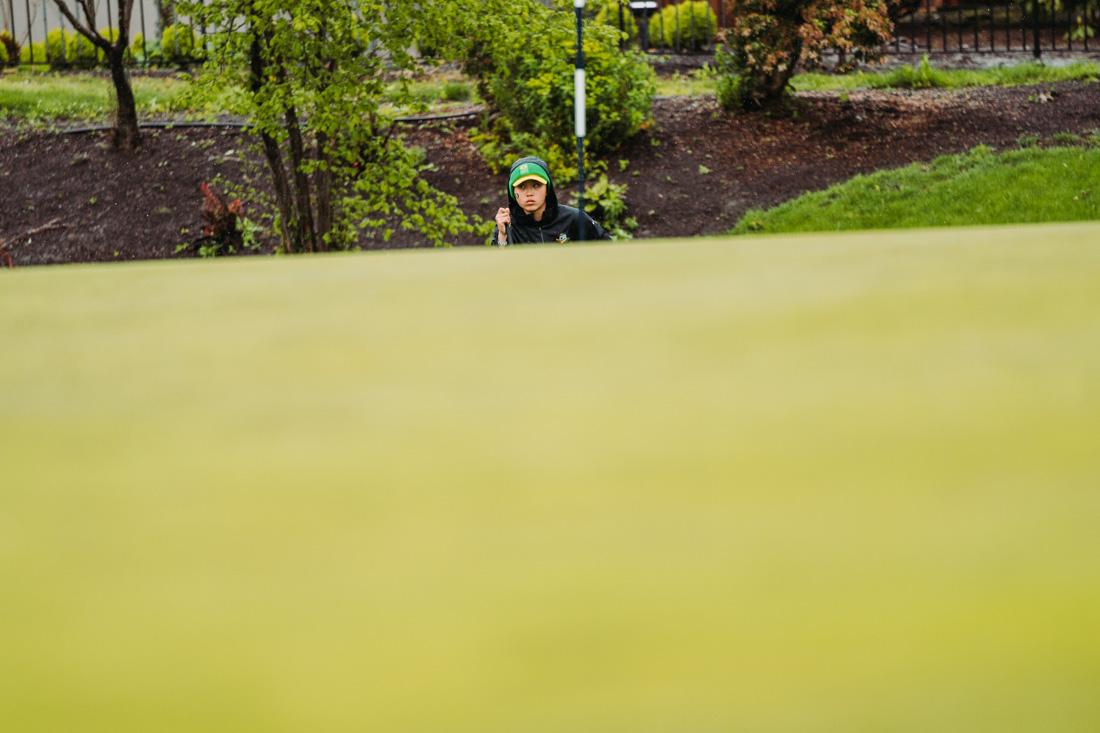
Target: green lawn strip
x=435, y=91
x=694, y=84
x=36, y=94
x=921, y=76
x=40, y=96
x=805, y=483
x=925, y=76
x=977, y=187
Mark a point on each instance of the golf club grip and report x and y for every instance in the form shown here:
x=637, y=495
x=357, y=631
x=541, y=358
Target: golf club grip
x=508, y=233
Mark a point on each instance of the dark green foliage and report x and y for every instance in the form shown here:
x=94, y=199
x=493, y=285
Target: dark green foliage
x=57, y=48
x=80, y=53
x=522, y=55
x=10, y=49
x=33, y=53
x=180, y=45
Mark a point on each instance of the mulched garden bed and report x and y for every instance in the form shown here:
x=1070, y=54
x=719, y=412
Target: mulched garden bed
x=70, y=198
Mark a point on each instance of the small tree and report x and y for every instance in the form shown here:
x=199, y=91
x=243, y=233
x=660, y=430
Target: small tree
x=770, y=38
x=312, y=73
x=114, y=45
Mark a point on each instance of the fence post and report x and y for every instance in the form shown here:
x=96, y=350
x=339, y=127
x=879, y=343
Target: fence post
x=30, y=36
x=691, y=22
x=622, y=26
x=1035, y=40
x=141, y=16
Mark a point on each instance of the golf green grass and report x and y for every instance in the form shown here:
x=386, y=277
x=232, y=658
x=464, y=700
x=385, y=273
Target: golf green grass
x=827, y=483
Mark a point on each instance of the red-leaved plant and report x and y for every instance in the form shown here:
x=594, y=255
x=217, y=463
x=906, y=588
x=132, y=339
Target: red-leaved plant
x=221, y=227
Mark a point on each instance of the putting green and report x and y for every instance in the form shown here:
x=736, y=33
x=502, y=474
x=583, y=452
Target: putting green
x=831, y=483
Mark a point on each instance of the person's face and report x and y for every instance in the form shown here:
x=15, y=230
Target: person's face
x=531, y=195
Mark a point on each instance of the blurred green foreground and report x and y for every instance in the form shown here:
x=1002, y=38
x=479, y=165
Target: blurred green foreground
x=844, y=483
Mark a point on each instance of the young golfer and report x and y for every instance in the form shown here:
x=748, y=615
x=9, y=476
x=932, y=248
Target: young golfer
x=533, y=214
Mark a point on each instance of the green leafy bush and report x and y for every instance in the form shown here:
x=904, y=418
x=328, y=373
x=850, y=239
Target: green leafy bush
x=71, y=50
x=56, y=51
x=608, y=14
x=37, y=50
x=607, y=202
x=80, y=53
x=141, y=49
x=146, y=51
x=689, y=24
x=179, y=44
x=522, y=54
x=10, y=49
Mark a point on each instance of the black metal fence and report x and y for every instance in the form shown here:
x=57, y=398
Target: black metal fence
x=661, y=26
x=920, y=26
x=997, y=27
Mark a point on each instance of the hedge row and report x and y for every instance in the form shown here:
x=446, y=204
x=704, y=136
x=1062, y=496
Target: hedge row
x=179, y=45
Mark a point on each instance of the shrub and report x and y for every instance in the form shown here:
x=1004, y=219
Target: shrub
x=139, y=48
x=57, y=48
x=769, y=38
x=607, y=201
x=689, y=24
x=531, y=83
x=80, y=53
x=608, y=14
x=3, y=55
x=11, y=49
x=146, y=51
x=180, y=45
x=36, y=49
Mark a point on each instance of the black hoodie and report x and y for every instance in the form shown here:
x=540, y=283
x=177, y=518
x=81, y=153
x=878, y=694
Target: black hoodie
x=560, y=223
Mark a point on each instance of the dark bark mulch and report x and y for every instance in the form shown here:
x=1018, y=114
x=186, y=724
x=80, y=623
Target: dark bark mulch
x=70, y=198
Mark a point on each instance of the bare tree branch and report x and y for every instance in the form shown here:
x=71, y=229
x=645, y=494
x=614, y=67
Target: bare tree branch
x=87, y=31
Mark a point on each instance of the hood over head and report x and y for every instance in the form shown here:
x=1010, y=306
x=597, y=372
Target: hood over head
x=517, y=175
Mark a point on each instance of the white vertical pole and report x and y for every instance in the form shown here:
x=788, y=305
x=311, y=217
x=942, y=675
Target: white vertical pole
x=579, y=110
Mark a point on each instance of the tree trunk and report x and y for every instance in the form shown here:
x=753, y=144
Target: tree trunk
x=324, y=191
x=301, y=181
x=288, y=219
x=126, y=135
x=770, y=88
